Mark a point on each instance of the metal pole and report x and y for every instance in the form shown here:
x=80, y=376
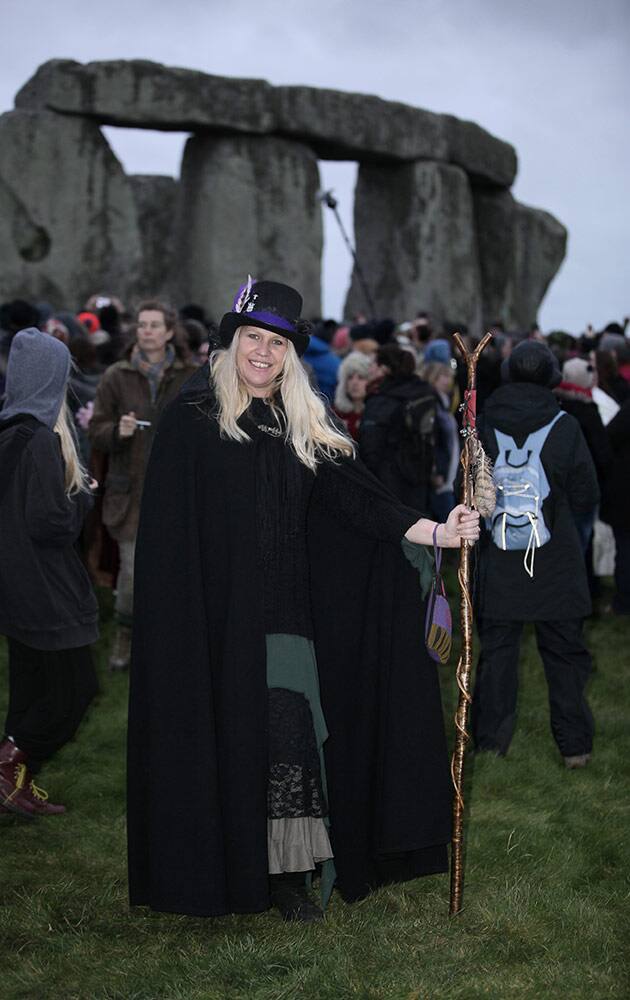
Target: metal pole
x=329, y=199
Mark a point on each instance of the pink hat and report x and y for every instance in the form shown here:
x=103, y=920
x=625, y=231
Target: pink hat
x=341, y=339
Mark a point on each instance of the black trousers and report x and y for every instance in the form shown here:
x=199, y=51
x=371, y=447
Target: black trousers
x=567, y=664
x=49, y=692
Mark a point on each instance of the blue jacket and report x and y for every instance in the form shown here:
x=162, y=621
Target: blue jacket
x=325, y=364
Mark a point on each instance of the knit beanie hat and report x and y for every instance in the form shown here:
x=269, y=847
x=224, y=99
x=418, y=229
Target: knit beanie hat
x=531, y=361
x=438, y=350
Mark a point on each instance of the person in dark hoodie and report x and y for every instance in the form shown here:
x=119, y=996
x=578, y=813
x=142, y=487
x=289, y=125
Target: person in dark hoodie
x=396, y=437
x=545, y=585
x=48, y=610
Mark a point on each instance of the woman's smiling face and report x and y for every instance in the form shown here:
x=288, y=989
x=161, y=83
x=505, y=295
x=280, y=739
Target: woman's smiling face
x=260, y=358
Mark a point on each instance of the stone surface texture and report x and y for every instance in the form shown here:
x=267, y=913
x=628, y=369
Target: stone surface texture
x=247, y=206
x=540, y=243
x=338, y=125
x=67, y=221
x=142, y=94
x=155, y=199
x=520, y=252
x=415, y=238
x=494, y=224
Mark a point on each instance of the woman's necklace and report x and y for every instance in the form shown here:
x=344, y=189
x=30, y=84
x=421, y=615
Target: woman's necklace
x=274, y=431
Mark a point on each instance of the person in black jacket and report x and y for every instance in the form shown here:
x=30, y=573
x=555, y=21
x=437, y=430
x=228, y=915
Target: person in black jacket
x=48, y=609
x=396, y=437
x=615, y=505
x=556, y=596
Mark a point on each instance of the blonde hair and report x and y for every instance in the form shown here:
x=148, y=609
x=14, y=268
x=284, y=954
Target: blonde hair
x=305, y=424
x=433, y=369
x=76, y=478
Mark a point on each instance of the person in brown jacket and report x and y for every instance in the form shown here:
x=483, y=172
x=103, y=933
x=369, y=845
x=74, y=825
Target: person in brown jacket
x=129, y=400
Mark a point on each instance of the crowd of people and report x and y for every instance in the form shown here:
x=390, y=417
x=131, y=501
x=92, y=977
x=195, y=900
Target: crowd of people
x=263, y=470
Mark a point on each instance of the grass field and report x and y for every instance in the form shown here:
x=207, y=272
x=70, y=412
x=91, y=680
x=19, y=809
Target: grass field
x=546, y=898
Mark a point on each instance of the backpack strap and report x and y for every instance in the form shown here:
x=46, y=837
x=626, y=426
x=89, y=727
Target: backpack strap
x=536, y=439
x=504, y=441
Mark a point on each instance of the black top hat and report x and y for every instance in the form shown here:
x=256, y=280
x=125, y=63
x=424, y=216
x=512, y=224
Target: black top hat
x=270, y=306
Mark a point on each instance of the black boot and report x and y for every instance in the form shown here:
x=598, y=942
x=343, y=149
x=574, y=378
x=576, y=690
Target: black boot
x=290, y=897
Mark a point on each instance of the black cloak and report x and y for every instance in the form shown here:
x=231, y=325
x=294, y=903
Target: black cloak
x=197, y=754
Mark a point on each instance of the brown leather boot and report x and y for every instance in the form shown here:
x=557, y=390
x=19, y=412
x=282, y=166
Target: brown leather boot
x=18, y=792
x=121, y=649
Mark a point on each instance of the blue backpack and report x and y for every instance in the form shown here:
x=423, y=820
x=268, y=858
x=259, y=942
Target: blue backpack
x=522, y=485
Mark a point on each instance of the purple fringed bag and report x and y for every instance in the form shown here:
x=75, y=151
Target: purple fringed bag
x=438, y=625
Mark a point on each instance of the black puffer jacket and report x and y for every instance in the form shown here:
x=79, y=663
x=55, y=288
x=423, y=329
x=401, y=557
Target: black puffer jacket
x=46, y=598
x=559, y=588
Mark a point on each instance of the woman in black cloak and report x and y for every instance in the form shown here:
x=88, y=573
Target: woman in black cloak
x=284, y=715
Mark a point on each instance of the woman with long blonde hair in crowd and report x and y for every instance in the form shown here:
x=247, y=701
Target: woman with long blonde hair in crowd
x=285, y=720
x=48, y=610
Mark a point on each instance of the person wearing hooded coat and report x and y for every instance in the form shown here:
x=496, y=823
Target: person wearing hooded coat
x=48, y=609
x=556, y=597
x=273, y=724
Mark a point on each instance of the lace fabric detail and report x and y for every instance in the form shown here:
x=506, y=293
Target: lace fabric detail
x=295, y=785
x=293, y=791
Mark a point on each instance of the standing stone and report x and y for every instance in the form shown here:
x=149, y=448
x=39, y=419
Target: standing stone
x=494, y=221
x=248, y=206
x=520, y=251
x=415, y=243
x=156, y=203
x=67, y=221
x=540, y=244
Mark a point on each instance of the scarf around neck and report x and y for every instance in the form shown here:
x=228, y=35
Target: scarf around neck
x=153, y=372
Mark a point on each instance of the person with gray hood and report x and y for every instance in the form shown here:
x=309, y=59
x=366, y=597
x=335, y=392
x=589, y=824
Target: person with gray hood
x=48, y=610
x=531, y=567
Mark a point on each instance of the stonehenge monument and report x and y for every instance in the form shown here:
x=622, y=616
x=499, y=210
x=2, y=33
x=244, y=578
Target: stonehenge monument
x=436, y=225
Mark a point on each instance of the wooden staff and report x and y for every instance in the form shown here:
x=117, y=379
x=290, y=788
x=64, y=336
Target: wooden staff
x=464, y=664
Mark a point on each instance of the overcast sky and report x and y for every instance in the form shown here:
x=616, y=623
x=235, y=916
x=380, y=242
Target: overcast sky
x=550, y=76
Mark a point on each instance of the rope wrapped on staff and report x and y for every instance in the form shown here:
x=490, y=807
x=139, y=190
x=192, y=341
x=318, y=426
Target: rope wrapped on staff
x=478, y=492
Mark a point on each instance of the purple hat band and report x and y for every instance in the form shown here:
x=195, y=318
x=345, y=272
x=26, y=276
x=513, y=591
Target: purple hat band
x=268, y=317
